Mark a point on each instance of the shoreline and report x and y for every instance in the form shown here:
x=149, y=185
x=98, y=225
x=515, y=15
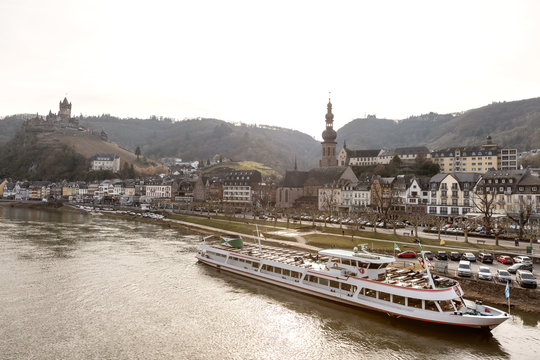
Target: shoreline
x=488, y=292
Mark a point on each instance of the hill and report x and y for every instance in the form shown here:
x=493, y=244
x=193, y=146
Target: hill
x=201, y=139
x=88, y=146
x=224, y=168
x=512, y=124
x=61, y=155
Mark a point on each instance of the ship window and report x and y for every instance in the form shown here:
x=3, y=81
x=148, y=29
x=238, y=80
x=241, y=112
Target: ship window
x=323, y=282
x=312, y=278
x=373, y=266
x=345, y=287
x=371, y=293
x=346, y=261
x=415, y=303
x=269, y=268
x=295, y=274
x=255, y=264
x=384, y=265
x=430, y=305
x=362, y=264
x=398, y=299
x=286, y=272
x=277, y=270
x=446, y=305
x=334, y=284
x=384, y=296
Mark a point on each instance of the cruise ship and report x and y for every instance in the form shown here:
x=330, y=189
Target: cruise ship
x=354, y=277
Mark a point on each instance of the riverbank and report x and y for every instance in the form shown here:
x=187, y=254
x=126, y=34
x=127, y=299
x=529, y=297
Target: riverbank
x=489, y=292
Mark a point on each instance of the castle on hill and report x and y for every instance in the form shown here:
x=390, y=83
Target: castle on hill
x=54, y=121
x=61, y=122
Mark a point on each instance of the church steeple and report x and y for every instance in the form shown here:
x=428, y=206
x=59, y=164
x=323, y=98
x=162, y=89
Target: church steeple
x=329, y=136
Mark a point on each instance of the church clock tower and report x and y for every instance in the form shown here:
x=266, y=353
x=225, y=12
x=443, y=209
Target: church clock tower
x=329, y=136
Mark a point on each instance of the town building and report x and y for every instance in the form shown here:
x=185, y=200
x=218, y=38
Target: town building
x=475, y=159
x=240, y=186
x=452, y=194
x=355, y=196
x=349, y=157
x=417, y=196
x=405, y=154
x=109, y=162
x=508, y=191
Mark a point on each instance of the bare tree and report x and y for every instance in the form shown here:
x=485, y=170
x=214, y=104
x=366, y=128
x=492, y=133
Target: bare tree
x=484, y=203
x=501, y=226
x=521, y=215
x=384, y=197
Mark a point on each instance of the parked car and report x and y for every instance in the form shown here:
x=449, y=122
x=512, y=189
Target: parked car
x=469, y=257
x=428, y=254
x=503, y=275
x=407, y=254
x=514, y=268
x=522, y=259
x=526, y=279
x=441, y=255
x=505, y=259
x=484, y=273
x=455, y=256
x=464, y=268
x=485, y=258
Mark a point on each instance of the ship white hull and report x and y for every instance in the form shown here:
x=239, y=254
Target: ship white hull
x=446, y=318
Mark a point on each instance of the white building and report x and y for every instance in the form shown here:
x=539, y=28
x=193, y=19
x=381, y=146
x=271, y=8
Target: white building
x=356, y=195
x=109, y=162
x=158, y=191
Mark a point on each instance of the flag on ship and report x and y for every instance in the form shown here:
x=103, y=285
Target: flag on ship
x=396, y=247
x=507, y=290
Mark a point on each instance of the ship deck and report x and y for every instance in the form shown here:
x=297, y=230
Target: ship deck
x=403, y=277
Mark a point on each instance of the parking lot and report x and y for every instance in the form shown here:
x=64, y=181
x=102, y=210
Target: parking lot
x=451, y=268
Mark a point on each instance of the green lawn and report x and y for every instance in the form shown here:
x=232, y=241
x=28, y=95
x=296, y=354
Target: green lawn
x=230, y=226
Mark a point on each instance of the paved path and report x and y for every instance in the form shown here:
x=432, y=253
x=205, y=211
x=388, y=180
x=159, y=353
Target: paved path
x=301, y=241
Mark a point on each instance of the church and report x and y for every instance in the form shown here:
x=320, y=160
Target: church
x=300, y=189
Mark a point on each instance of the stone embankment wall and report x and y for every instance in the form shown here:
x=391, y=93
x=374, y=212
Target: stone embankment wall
x=493, y=293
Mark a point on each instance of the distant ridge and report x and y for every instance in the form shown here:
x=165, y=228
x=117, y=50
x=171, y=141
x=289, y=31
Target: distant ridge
x=514, y=124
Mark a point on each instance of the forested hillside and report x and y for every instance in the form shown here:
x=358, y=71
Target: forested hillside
x=204, y=138
x=513, y=124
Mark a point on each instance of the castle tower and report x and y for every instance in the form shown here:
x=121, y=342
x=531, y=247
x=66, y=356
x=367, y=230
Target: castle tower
x=65, y=111
x=329, y=136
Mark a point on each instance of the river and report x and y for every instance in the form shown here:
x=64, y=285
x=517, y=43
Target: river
x=77, y=286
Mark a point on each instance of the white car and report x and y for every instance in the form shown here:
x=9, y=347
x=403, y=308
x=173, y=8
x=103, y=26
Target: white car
x=503, y=276
x=484, y=273
x=522, y=259
x=464, y=268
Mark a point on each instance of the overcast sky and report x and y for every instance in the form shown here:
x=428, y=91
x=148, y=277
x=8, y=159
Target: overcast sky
x=267, y=62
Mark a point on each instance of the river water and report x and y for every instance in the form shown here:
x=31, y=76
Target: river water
x=77, y=286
